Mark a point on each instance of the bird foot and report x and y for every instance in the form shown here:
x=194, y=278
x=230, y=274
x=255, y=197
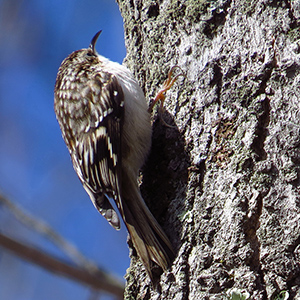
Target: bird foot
x=161, y=93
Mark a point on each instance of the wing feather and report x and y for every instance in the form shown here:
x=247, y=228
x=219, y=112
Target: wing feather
x=99, y=149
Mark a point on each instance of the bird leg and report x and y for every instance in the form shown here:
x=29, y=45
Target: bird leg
x=166, y=86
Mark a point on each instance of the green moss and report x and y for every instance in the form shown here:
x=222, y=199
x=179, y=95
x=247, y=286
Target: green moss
x=196, y=8
x=248, y=7
x=259, y=180
x=237, y=294
x=283, y=295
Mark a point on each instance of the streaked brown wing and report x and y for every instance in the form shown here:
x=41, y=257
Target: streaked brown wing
x=98, y=150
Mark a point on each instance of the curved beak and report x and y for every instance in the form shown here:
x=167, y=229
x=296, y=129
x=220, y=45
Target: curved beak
x=93, y=42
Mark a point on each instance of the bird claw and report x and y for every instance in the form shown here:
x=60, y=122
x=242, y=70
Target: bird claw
x=161, y=93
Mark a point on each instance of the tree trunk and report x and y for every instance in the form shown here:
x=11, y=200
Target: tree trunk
x=224, y=180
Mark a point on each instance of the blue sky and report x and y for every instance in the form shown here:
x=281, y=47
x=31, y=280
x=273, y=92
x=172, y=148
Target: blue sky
x=35, y=167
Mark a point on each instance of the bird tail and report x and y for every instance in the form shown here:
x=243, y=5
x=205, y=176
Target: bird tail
x=148, y=238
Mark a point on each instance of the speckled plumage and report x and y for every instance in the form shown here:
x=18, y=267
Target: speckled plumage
x=103, y=116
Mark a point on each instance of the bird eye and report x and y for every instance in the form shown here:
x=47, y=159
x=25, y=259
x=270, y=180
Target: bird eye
x=90, y=54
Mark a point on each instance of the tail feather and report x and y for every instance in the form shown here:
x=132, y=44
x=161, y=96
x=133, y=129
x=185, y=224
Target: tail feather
x=149, y=240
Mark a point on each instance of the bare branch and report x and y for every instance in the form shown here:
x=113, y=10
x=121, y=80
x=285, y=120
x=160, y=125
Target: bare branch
x=97, y=279
x=45, y=230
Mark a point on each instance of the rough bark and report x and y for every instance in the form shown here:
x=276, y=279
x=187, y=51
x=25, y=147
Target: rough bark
x=224, y=181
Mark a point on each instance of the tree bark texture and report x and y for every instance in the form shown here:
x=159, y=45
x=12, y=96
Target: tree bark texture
x=224, y=180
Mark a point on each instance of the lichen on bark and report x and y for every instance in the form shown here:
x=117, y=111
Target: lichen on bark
x=224, y=182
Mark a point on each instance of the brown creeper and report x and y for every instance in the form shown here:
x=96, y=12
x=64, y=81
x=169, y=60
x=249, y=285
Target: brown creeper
x=104, y=119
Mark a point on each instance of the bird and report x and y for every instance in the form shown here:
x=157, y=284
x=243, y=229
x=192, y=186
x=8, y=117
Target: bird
x=104, y=119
